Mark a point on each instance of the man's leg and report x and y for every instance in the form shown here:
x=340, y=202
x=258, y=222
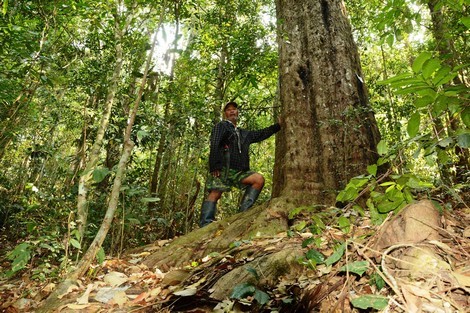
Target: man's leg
x=255, y=184
x=209, y=207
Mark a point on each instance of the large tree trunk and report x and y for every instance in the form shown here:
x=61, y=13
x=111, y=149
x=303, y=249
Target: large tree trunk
x=330, y=133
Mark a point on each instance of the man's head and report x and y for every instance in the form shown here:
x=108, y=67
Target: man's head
x=230, y=104
x=231, y=111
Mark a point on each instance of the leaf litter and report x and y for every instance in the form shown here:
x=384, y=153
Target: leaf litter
x=428, y=276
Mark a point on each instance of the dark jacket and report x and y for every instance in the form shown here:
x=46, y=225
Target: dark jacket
x=237, y=141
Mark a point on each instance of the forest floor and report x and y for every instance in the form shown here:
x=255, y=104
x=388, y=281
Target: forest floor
x=377, y=270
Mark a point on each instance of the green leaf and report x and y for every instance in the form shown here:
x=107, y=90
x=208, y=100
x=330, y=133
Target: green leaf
x=150, y=199
x=463, y=140
x=440, y=105
x=390, y=40
x=382, y=147
x=465, y=116
x=358, y=181
x=370, y=301
x=261, y=296
x=423, y=101
x=394, y=79
x=301, y=225
x=426, y=91
x=344, y=224
x=253, y=272
x=315, y=255
x=308, y=242
x=75, y=243
x=388, y=206
x=100, y=256
x=419, y=61
x=336, y=256
x=465, y=20
x=430, y=66
x=235, y=244
x=142, y=134
x=372, y=169
x=20, y=257
x=377, y=280
x=441, y=73
x=242, y=291
x=296, y=211
x=445, y=142
x=413, y=124
x=100, y=173
x=348, y=194
x=5, y=7
x=357, y=267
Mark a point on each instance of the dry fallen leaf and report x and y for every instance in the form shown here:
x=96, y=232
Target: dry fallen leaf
x=105, y=294
x=120, y=298
x=115, y=279
x=84, y=298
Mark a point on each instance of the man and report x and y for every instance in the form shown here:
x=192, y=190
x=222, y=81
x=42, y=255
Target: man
x=229, y=163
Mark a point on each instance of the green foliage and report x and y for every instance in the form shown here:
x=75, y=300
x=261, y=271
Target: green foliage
x=337, y=254
x=100, y=256
x=244, y=290
x=314, y=257
x=377, y=280
x=20, y=257
x=356, y=267
x=376, y=302
x=41, y=256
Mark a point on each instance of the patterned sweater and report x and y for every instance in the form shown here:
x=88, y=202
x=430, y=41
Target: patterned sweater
x=226, y=137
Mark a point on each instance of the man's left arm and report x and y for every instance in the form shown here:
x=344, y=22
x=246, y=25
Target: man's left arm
x=262, y=134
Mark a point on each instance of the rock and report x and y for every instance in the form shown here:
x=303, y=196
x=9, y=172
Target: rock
x=415, y=223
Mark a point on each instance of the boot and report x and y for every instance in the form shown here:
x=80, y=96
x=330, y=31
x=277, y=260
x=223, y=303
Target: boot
x=249, y=198
x=208, y=209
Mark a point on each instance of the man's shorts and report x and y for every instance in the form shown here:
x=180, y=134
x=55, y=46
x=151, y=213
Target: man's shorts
x=227, y=180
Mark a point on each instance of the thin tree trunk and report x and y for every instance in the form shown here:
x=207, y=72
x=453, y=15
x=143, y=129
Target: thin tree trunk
x=450, y=56
x=85, y=179
x=80, y=155
x=154, y=183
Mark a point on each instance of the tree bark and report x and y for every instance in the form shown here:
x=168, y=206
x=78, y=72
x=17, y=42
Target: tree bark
x=85, y=178
x=450, y=56
x=330, y=132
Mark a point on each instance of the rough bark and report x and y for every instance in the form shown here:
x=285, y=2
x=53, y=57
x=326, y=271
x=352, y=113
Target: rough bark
x=330, y=133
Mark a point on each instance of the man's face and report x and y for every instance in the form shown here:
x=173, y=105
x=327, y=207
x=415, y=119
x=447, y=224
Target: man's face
x=231, y=113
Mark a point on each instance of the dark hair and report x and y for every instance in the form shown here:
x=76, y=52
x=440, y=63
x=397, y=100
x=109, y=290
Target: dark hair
x=233, y=103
